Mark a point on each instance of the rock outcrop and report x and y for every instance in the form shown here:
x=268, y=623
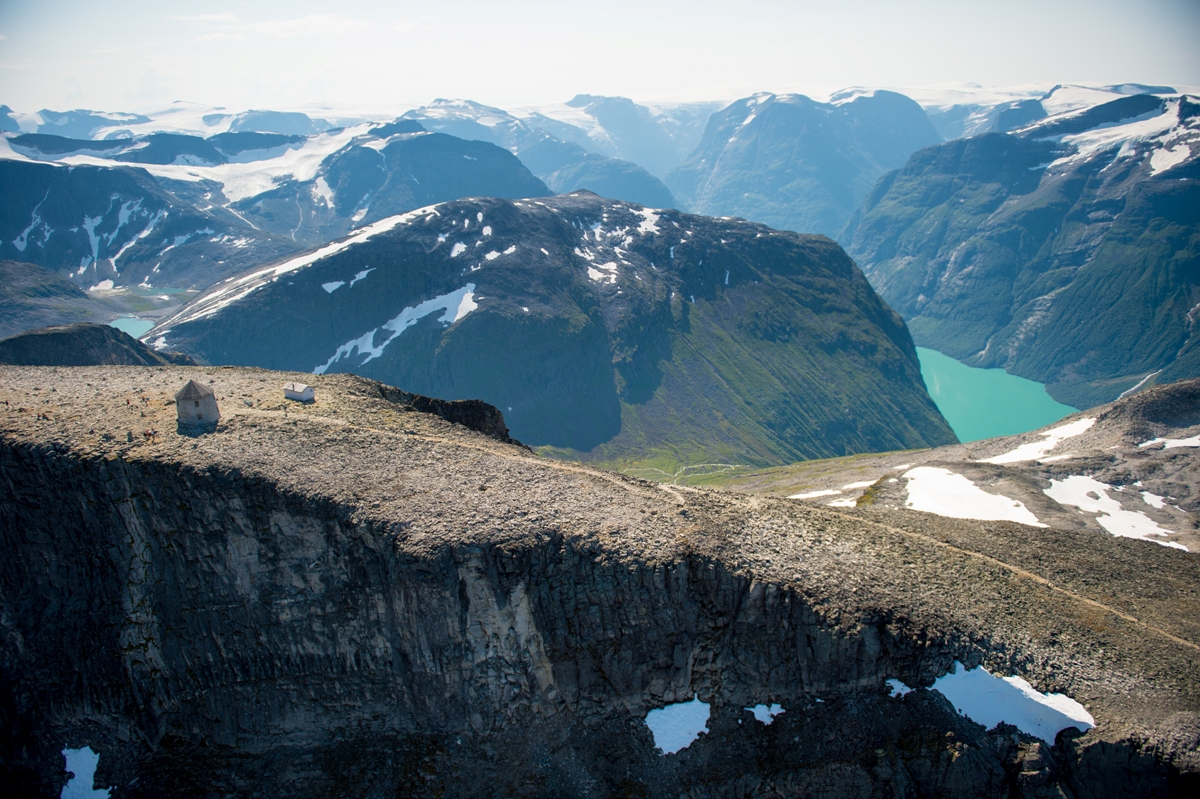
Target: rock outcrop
x=84, y=344
x=353, y=597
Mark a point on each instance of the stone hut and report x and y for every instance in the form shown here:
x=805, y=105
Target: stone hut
x=301, y=392
x=196, y=406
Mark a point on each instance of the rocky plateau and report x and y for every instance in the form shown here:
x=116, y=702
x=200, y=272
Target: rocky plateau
x=354, y=597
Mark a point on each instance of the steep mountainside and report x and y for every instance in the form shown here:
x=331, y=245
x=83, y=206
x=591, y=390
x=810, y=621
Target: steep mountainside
x=558, y=153
x=793, y=163
x=1064, y=252
x=83, y=345
x=196, y=210
x=618, y=332
x=354, y=598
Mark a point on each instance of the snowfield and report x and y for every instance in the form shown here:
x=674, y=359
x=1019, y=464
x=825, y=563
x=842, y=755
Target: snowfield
x=676, y=726
x=454, y=306
x=1091, y=496
x=1050, y=439
x=936, y=490
x=988, y=700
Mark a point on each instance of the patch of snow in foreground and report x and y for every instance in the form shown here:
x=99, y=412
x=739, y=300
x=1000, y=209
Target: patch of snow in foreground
x=103, y=285
x=1153, y=500
x=765, y=713
x=825, y=492
x=334, y=286
x=676, y=726
x=935, y=490
x=1171, y=443
x=898, y=689
x=82, y=763
x=988, y=700
x=848, y=502
x=1091, y=496
x=454, y=306
x=863, y=484
x=1050, y=439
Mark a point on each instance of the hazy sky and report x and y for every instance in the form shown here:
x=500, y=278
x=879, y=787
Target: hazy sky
x=371, y=56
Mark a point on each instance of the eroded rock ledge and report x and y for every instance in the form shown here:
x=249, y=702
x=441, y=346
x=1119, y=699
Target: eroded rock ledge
x=351, y=598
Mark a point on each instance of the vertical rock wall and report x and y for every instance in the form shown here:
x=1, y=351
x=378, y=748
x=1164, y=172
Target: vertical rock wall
x=210, y=635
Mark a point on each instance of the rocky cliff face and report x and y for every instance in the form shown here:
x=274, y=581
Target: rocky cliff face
x=357, y=598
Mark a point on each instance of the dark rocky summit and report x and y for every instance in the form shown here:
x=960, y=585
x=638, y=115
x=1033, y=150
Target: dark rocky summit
x=356, y=598
x=84, y=344
x=606, y=330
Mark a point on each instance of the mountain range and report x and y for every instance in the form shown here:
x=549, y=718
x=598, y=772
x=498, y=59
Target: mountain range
x=172, y=210
x=566, y=156
x=603, y=330
x=797, y=164
x=179, y=199
x=1064, y=251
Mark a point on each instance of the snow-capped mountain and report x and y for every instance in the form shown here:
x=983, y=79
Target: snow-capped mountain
x=191, y=119
x=177, y=210
x=958, y=111
x=1063, y=251
x=616, y=331
x=791, y=162
x=563, y=155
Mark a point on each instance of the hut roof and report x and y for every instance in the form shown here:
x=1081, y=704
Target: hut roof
x=193, y=391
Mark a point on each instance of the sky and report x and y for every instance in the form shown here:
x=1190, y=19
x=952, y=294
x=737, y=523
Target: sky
x=369, y=58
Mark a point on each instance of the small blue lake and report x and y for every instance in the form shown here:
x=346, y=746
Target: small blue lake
x=132, y=325
x=985, y=403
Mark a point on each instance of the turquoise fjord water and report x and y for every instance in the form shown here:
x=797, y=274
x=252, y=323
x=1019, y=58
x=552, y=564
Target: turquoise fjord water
x=985, y=403
x=132, y=325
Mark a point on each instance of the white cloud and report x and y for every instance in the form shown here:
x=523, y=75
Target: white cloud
x=201, y=19
x=231, y=27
